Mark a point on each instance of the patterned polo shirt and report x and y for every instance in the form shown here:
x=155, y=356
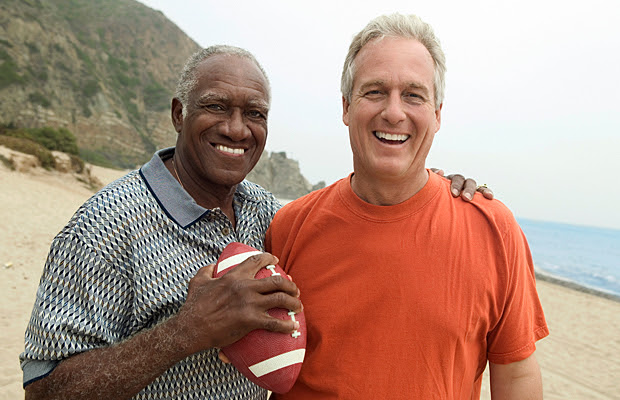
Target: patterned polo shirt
x=123, y=263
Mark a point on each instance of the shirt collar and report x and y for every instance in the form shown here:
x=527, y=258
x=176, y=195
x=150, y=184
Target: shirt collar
x=172, y=198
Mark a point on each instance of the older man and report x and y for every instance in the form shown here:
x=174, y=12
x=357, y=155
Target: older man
x=114, y=316
x=126, y=305
x=407, y=292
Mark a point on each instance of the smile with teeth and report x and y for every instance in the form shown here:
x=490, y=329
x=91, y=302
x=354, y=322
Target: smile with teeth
x=391, y=137
x=230, y=150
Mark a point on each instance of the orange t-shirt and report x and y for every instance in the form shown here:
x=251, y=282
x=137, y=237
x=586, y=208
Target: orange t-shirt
x=406, y=301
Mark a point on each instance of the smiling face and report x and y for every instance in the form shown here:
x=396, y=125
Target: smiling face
x=392, y=117
x=223, y=133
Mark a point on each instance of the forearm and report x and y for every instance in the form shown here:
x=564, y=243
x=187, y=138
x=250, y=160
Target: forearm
x=516, y=381
x=116, y=372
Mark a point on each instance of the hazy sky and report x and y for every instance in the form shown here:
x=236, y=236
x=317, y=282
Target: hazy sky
x=532, y=102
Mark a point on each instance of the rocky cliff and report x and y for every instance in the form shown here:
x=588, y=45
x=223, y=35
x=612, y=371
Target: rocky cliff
x=106, y=71
x=281, y=176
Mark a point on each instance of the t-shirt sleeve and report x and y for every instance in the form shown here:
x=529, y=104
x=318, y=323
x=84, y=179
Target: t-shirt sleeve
x=82, y=303
x=522, y=320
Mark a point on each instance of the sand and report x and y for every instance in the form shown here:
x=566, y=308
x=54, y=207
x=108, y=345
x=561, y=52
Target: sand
x=579, y=360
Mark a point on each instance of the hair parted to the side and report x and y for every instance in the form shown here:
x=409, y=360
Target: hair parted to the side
x=188, y=79
x=396, y=25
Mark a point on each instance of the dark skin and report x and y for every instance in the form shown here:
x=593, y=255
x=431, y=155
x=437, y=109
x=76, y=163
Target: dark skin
x=224, y=131
x=217, y=312
x=227, y=113
x=465, y=188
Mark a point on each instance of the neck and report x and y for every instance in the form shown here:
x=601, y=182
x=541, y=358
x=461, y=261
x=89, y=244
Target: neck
x=205, y=194
x=387, y=192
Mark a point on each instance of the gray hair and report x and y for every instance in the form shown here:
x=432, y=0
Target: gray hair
x=188, y=79
x=396, y=25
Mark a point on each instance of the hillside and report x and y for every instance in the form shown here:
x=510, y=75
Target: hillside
x=105, y=70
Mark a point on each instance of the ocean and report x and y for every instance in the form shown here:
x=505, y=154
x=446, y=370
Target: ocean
x=584, y=255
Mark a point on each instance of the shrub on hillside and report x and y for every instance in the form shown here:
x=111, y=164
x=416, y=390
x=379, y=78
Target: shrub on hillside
x=7, y=163
x=28, y=146
x=52, y=139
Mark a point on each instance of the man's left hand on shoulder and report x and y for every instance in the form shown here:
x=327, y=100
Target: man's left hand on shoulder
x=466, y=188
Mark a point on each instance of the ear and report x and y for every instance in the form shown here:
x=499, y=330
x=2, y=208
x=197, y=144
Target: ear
x=177, y=114
x=438, y=117
x=345, y=111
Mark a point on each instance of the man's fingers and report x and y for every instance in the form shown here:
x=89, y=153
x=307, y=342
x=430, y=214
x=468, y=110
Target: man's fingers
x=206, y=271
x=273, y=324
x=486, y=192
x=456, y=184
x=223, y=357
x=249, y=267
x=438, y=171
x=281, y=300
x=469, y=189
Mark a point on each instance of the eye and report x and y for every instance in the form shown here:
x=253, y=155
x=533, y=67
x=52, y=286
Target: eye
x=214, y=107
x=255, y=114
x=373, y=92
x=414, y=97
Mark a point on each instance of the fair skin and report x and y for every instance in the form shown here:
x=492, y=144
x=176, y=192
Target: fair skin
x=392, y=119
x=227, y=111
x=520, y=380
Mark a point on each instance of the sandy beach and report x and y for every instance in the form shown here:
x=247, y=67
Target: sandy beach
x=579, y=360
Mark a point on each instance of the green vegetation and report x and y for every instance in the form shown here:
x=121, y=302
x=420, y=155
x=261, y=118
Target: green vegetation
x=51, y=139
x=8, y=70
x=156, y=97
x=111, y=158
x=90, y=88
x=97, y=158
x=7, y=163
x=29, y=147
x=58, y=48
x=33, y=48
x=39, y=98
x=40, y=142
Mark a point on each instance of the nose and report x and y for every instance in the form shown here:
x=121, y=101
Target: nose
x=235, y=127
x=393, y=111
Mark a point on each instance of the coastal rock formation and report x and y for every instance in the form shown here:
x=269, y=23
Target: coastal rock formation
x=281, y=176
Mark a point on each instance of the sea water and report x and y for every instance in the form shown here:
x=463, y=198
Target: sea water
x=585, y=255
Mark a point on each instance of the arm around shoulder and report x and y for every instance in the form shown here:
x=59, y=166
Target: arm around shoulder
x=518, y=380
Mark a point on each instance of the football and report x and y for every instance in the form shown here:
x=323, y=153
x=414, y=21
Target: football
x=272, y=360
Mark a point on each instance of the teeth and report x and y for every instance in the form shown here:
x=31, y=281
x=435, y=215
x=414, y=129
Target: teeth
x=228, y=149
x=389, y=136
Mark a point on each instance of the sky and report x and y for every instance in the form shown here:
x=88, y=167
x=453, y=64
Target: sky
x=532, y=103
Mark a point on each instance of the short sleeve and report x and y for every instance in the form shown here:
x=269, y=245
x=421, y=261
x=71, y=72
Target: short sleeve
x=522, y=320
x=82, y=303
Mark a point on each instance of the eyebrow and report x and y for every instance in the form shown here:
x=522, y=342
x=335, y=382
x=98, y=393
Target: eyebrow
x=371, y=84
x=211, y=97
x=207, y=97
x=379, y=82
x=418, y=86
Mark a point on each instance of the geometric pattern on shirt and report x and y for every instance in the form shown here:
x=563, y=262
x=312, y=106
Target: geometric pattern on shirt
x=122, y=265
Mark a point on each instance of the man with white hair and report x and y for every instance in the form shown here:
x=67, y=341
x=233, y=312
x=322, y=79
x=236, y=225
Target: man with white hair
x=407, y=293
